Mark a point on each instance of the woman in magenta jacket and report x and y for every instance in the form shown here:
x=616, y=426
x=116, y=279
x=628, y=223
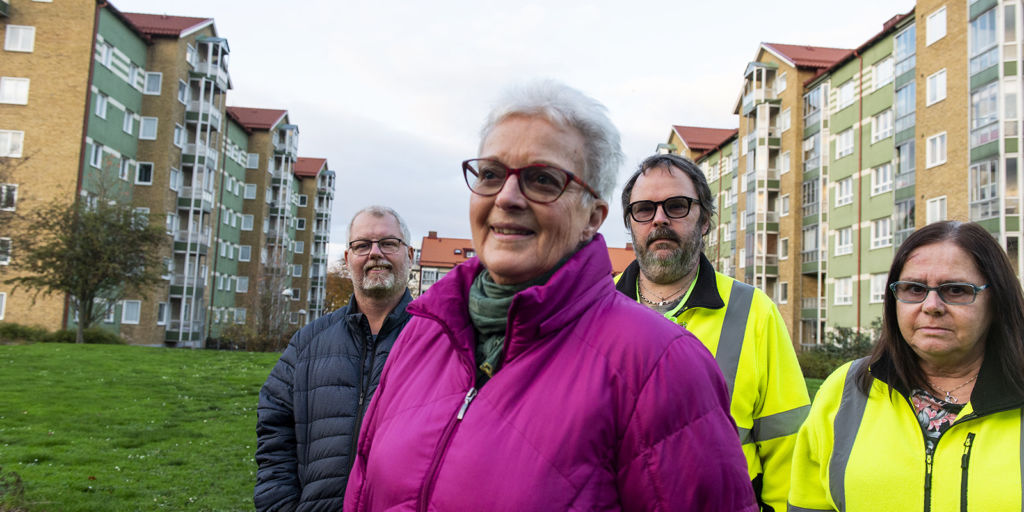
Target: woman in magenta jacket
x=524, y=381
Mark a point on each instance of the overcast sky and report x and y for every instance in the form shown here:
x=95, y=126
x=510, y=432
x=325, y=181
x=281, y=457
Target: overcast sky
x=393, y=93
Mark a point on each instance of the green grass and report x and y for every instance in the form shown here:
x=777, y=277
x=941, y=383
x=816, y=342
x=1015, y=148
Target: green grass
x=98, y=427
x=813, y=385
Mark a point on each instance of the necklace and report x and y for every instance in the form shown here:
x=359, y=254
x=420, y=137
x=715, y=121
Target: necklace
x=666, y=300
x=949, y=397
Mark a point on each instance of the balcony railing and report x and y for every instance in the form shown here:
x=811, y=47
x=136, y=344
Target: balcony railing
x=985, y=134
x=813, y=303
x=905, y=179
x=811, y=209
x=986, y=209
x=215, y=71
x=812, y=256
x=196, y=193
x=206, y=107
x=187, y=280
x=193, y=236
x=186, y=326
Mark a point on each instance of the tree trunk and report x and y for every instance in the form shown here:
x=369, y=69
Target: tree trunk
x=80, y=325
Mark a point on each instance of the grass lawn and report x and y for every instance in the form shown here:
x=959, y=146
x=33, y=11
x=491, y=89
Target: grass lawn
x=813, y=385
x=101, y=427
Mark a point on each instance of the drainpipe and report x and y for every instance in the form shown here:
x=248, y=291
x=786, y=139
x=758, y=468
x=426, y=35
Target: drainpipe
x=860, y=160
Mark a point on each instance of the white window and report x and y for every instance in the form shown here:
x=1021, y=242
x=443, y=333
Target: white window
x=299, y=246
x=784, y=249
x=742, y=258
x=147, y=130
x=239, y=315
x=881, y=126
x=125, y=172
x=191, y=55
x=128, y=122
x=845, y=97
x=303, y=200
x=300, y=224
x=133, y=74
x=179, y=135
x=881, y=179
x=19, y=38
x=96, y=157
x=3, y=304
x=296, y=270
x=780, y=83
x=161, y=313
x=296, y=294
x=130, y=311
x=936, y=150
x=5, y=251
x=937, y=87
x=253, y=161
x=844, y=191
x=176, y=177
x=883, y=72
x=144, y=173
x=936, y=209
x=241, y=284
x=844, y=241
x=246, y=222
x=244, y=253
x=154, y=79
x=878, y=282
x=11, y=143
x=784, y=121
x=110, y=310
x=881, y=233
x=250, y=191
x=784, y=163
x=8, y=196
x=844, y=143
x=843, y=291
x=101, y=106
x=106, y=54
x=935, y=28
x=781, y=292
x=784, y=205
x=170, y=221
x=14, y=90
x=182, y=92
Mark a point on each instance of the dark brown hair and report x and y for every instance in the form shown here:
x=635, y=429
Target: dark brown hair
x=690, y=169
x=1004, y=344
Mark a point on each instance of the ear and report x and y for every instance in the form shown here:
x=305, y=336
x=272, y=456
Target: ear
x=598, y=211
x=345, y=257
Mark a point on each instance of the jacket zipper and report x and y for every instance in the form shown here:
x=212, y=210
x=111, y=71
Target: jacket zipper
x=965, y=461
x=435, y=465
x=927, y=482
x=361, y=407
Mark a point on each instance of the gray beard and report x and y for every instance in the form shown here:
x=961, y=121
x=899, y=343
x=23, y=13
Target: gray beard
x=672, y=267
x=383, y=286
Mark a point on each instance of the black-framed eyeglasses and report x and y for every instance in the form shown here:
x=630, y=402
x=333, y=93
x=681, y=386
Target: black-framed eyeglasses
x=539, y=183
x=675, y=207
x=956, y=294
x=388, y=245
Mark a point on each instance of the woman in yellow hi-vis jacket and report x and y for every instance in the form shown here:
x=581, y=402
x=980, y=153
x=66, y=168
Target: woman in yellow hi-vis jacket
x=932, y=419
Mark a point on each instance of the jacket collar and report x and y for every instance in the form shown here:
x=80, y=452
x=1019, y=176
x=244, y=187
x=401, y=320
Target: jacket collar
x=397, y=317
x=705, y=292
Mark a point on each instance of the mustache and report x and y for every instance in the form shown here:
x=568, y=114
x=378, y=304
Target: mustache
x=662, y=233
x=383, y=263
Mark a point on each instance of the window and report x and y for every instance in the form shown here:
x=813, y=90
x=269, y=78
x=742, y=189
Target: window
x=784, y=249
x=144, y=173
x=983, y=190
x=182, y=92
x=250, y=191
x=782, y=295
x=179, y=135
x=780, y=83
x=11, y=142
x=784, y=163
x=881, y=233
x=844, y=241
x=784, y=205
x=878, y=282
x=96, y=157
x=845, y=97
x=881, y=126
x=784, y=121
x=296, y=270
x=153, y=83
x=147, y=130
x=935, y=27
x=110, y=309
x=130, y=311
x=843, y=292
x=936, y=209
x=241, y=284
x=844, y=143
x=985, y=115
x=844, y=192
x=296, y=294
x=937, y=87
x=101, y=106
x=128, y=122
x=983, y=42
x=936, y=150
x=125, y=172
x=191, y=55
x=141, y=217
x=299, y=246
x=303, y=200
x=14, y=90
x=247, y=222
x=253, y=161
x=244, y=253
x=3, y=304
x=105, y=54
x=883, y=72
x=170, y=221
x=19, y=38
x=8, y=196
x=881, y=179
x=5, y=251
x=161, y=313
x=742, y=258
x=300, y=224
x=176, y=177
x=905, y=98
x=239, y=315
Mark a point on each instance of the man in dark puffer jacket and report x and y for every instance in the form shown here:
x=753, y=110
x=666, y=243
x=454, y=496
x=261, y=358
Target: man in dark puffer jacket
x=312, y=405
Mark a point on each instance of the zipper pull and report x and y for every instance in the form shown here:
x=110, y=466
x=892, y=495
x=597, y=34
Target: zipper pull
x=465, y=403
x=928, y=471
x=966, y=457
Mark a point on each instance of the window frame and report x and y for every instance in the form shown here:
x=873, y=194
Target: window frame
x=932, y=159
x=152, y=91
x=142, y=127
x=935, y=33
x=12, y=136
x=14, y=85
x=125, y=309
x=15, y=35
x=138, y=173
x=930, y=98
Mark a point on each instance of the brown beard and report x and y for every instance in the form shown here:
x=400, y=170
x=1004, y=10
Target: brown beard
x=675, y=266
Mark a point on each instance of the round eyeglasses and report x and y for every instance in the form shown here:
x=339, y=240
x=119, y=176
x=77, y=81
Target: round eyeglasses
x=389, y=245
x=956, y=294
x=538, y=183
x=675, y=207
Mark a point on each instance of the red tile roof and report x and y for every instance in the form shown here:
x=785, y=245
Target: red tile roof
x=308, y=167
x=444, y=252
x=621, y=258
x=256, y=118
x=701, y=139
x=808, y=56
x=164, y=25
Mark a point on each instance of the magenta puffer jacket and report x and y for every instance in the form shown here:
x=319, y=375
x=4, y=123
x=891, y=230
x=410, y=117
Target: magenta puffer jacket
x=600, y=404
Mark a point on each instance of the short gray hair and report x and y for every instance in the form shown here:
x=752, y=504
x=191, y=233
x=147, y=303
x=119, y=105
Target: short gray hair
x=566, y=107
x=380, y=211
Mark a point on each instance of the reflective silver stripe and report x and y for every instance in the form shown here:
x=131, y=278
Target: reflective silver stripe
x=734, y=326
x=793, y=508
x=746, y=435
x=845, y=427
x=781, y=424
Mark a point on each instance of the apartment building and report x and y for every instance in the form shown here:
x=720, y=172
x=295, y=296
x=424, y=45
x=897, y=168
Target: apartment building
x=313, y=231
x=439, y=255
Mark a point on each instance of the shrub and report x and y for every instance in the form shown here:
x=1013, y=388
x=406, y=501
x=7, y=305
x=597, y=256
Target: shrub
x=12, y=492
x=92, y=335
x=842, y=344
x=10, y=331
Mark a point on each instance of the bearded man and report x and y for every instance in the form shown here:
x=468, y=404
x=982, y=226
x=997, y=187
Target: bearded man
x=738, y=323
x=312, y=405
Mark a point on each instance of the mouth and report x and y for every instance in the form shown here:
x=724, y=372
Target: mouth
x=377, y=268
x=511, y=231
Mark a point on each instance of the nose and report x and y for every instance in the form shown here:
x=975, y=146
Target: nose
x=510, y=195
x=660, y=217
x=375, y=250
x=933, y=304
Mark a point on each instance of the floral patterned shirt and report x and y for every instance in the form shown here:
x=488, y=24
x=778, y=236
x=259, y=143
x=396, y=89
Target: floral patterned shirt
x=935, y=416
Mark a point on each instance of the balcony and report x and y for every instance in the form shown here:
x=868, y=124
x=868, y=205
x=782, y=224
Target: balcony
x=186, y=331
x=811, y=260
x=811, y=209
x=192, y=240
x=204, y=112
x=905, y=179
x=200, y=154
x=192, y=197
x=811, y=306
x=213, y=71
x=185, y=285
